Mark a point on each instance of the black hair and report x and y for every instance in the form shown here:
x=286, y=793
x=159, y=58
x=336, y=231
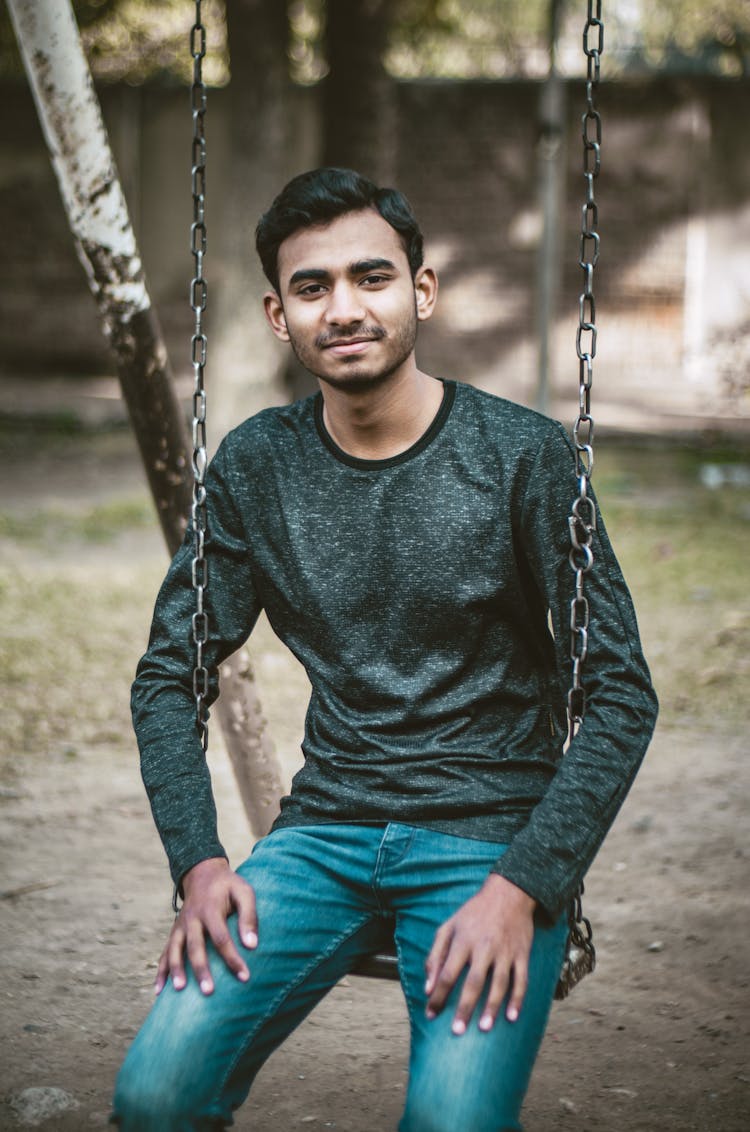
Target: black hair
x=321, y=195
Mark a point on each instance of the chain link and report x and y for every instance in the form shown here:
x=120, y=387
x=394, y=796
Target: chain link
x=198, y=297
x=582, y=520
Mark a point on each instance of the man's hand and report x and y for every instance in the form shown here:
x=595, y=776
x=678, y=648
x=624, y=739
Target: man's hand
x=491, y=935
x=212, y=892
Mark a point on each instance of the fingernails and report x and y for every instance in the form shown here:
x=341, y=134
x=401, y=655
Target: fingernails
x=428, y=986
x=512, y=1014
x=206, y=986
x=430, y=1013
x=250, y=939
x=243, y=976
x=178, y=982
x=485, y=1022
x=458, y=1027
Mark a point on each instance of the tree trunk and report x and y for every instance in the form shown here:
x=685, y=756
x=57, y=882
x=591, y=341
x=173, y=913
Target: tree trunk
x=551, y=182
x=358, y=110
x=73, y=127
x=246, y=358
x=358, y=94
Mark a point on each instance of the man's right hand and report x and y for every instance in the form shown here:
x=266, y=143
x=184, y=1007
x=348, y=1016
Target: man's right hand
x=212, y=892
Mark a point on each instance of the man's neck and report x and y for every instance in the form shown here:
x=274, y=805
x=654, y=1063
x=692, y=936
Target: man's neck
x=381, y=422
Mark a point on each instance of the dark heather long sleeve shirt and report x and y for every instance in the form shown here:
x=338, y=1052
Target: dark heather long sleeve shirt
x=415, y=591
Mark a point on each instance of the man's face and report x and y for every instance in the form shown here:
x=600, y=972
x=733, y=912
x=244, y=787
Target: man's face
x=347, y=302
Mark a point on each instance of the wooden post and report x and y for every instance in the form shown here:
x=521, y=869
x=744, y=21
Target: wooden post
x=551, y=179
x=73, y=127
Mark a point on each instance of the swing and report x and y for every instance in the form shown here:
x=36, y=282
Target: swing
x=580, y=955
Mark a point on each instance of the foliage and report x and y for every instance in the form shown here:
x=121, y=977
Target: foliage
x=481, y=38
x=306, y=23
x=136, y=40
x=710, y=34
x=468, y=38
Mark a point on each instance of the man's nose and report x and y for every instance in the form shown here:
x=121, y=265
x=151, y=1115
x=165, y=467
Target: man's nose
x=345, y=305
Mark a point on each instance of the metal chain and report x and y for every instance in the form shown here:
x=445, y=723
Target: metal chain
x=582, y=520
x=198, y=295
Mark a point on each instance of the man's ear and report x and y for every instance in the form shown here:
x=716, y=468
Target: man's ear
x=425, y=290
x=274, y=312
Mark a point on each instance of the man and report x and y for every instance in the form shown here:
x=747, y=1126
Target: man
x=407, y=538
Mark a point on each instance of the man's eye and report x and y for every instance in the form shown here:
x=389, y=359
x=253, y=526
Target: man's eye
x=311, y=289
x=373, y=280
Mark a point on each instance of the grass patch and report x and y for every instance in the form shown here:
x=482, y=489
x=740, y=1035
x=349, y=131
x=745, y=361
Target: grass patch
x=684, y=549
x=98, y=524
x=68, y=663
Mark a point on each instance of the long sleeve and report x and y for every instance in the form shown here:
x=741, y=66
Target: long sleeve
x=550, y=855
x=173, y=764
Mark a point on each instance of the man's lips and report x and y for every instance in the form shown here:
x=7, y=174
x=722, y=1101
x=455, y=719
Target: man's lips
x=349, y=345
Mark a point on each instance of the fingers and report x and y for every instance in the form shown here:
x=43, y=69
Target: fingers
x=172, y=959
x=247, y=919
x=474, y=984
x=162, y=972
x=203, y=917
x=495, y=996
x=446, y=961
x=489, y=937
x=434, y=966
x=222, y=940
x=196, y=949
x=500, y=973
x=518, y=991
x=481, y=962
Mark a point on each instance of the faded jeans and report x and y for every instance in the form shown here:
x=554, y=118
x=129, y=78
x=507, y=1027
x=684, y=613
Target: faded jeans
x=325, y=894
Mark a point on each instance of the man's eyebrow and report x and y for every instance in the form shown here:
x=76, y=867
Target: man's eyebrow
x=363, y=266
x=308, y=273
x=359, y=267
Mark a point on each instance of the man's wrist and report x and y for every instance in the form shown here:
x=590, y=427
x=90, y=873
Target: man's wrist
x=511, y=891
x=202, y=869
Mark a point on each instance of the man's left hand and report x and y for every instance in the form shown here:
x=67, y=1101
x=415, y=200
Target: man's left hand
x=491, y=935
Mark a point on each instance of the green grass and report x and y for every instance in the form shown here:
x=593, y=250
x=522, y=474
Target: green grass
x=684, y=549
x=97, y=524
x=69, y=649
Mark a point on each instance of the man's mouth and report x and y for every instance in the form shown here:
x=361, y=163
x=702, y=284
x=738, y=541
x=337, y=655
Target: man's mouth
x=353, y=343
x=343, y=346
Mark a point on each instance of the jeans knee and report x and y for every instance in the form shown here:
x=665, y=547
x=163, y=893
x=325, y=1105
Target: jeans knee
x=426, y=1117
x=137, y=1104
x=447, y=1102
x=147, y=1101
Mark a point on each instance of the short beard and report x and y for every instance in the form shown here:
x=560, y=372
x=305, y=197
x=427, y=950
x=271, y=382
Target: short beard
x=358, y=380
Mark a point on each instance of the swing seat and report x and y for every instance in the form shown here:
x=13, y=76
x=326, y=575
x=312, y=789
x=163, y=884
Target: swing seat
x=382, y=965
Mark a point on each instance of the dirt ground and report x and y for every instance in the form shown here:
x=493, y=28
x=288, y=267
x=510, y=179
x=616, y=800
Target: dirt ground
x=657, y=1039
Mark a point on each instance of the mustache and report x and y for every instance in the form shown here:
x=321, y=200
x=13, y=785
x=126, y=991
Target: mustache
x=373, y=332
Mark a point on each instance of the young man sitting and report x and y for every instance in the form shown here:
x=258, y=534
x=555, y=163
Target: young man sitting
x=408, y=540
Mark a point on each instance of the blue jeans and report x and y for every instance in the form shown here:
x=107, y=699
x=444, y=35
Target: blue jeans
x=327, y=895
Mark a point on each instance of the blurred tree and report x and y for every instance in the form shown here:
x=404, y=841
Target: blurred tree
x=358, y=102
x=468, y=38
x=481, y=38
x=712, y=35
x=245, y=360
x=137, y=40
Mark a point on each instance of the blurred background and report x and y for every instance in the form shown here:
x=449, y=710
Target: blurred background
x=473, y=108
x=452, y=101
